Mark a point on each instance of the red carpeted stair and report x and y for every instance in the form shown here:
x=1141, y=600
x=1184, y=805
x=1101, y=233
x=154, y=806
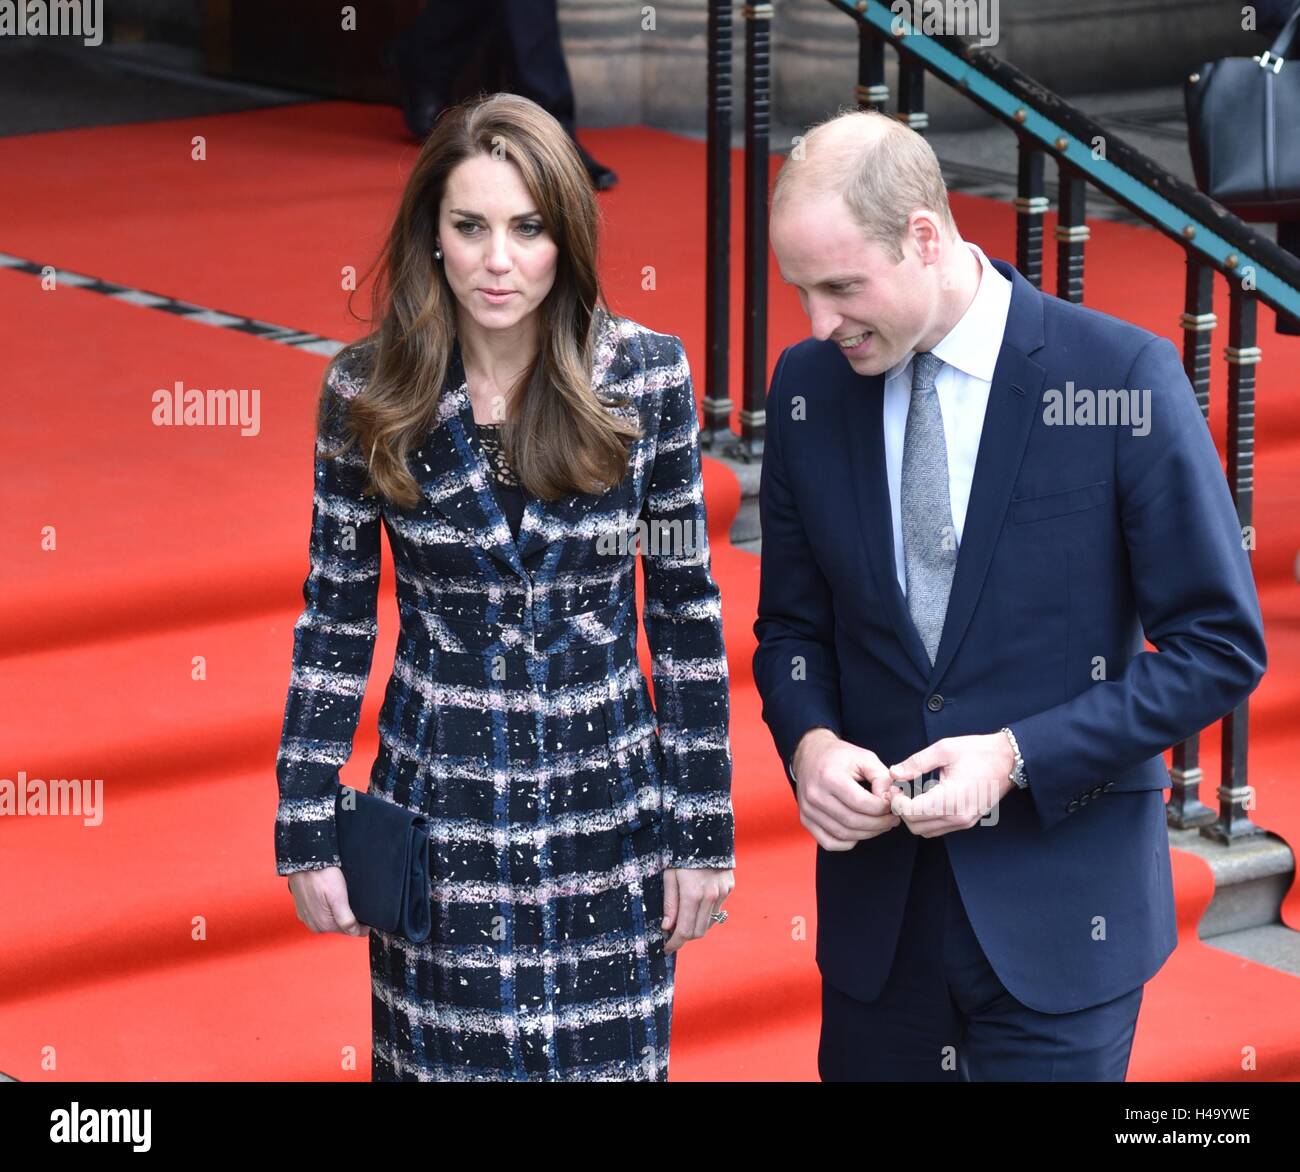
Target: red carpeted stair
x=161, y=943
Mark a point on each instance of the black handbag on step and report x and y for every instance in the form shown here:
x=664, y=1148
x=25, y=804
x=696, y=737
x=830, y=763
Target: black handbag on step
x=1243, y=122
x=384, y=850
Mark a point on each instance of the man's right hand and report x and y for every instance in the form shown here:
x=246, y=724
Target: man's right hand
x=838, y=811
x=321, y=897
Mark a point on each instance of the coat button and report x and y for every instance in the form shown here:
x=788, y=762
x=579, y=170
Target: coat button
x=934, y=703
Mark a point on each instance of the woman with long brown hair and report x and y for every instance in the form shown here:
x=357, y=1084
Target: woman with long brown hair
x=518, y=442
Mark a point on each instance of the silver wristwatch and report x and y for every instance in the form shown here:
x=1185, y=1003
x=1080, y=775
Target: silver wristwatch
x=1018, y=771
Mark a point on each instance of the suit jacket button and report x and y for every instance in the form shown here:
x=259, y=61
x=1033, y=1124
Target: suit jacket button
x=934, y=703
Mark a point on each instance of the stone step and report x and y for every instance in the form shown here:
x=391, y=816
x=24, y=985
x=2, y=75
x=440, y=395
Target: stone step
x=1251, y=879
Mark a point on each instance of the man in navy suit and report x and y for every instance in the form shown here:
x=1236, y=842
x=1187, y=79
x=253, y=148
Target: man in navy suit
x=976, y=500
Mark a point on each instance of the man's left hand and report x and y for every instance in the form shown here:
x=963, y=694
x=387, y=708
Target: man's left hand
x=974, y=776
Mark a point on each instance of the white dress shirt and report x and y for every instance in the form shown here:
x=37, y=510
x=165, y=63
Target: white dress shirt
x=969, y=352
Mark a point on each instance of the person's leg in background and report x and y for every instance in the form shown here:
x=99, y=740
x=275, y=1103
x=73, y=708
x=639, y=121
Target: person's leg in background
x=426, y=57
x=532, y=59
x=529, y=32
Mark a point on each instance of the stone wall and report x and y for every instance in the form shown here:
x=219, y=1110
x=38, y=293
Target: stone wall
x=626, y=73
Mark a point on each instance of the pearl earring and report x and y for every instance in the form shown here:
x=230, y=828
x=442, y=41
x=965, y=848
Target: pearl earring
x=437, y=253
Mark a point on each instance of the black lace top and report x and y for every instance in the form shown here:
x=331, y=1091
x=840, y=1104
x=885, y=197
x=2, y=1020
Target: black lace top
x=510, y=493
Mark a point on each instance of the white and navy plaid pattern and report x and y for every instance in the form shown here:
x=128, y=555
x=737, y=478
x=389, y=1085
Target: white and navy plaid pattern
x=518, y=720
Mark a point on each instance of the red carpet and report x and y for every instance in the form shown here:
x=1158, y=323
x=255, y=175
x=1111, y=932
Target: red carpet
x=161, y=944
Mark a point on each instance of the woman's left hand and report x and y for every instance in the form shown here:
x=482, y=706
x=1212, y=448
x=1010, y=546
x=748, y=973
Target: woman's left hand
x=691, y=896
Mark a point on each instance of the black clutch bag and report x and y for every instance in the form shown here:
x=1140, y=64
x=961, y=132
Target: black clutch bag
x=384, y=849
x=1242, y=115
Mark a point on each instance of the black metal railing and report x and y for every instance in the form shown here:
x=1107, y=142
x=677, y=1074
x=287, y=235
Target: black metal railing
x=1213, y=241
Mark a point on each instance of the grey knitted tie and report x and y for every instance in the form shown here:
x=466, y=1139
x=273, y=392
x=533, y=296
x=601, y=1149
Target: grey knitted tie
x=929, y=536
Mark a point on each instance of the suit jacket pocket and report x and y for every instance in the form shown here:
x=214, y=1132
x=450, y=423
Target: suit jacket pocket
x=1058, y=503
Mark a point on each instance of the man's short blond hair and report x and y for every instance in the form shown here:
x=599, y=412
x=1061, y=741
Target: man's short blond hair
x=883, y=170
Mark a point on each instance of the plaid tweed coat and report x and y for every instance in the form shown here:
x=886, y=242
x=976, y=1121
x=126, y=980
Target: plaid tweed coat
x=518, y=720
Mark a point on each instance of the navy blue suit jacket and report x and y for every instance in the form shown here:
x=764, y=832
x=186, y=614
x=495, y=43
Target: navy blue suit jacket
x=1078, y=539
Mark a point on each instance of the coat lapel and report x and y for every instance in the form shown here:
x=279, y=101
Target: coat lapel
x=454, y=473
x=865, y=407
x=1014, y=396
x=456, y=480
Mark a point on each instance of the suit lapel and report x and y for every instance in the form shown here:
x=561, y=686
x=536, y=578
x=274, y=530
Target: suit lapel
x=865, y=405
x=1014, y=401
x=1014, y=396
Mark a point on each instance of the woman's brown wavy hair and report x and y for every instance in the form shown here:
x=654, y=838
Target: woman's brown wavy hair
x=558, y=435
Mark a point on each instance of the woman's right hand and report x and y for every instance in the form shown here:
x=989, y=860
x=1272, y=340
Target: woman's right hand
x=321, y=897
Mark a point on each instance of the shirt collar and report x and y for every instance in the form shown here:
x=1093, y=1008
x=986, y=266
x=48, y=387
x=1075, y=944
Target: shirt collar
x=973, y=344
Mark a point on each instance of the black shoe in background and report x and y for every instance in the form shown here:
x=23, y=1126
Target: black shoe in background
x=421, y=104
x=602, y=178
